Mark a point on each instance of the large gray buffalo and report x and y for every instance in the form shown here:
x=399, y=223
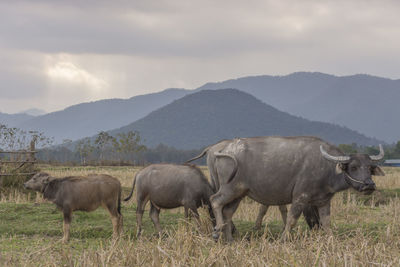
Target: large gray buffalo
x=81, y=193
x=170, y=186
x=230, y=209
x=303, y=171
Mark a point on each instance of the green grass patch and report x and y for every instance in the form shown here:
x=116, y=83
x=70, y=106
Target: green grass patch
x=33, y=220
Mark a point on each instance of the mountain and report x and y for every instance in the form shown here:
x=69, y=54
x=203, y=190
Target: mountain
x=87, y=119
x=13, y=120
x=205, y=117
x=34, y=112
x=364, y=103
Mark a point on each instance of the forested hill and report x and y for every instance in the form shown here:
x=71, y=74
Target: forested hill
x=205, y=117
x=365, y=103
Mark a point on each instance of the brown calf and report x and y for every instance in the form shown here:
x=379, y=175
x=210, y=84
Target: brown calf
x=81, y=193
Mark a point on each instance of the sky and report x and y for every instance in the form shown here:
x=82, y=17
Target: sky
x=54, y=54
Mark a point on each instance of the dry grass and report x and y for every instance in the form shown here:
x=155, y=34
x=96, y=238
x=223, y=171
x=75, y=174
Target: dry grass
x=364, y=233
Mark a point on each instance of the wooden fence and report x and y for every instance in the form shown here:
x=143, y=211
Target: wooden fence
x=16, y=160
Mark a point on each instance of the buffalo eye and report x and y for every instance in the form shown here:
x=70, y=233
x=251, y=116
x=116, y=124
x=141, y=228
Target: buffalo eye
x=353, y=168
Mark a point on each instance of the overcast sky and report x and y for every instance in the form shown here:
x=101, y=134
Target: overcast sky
x=57, y=53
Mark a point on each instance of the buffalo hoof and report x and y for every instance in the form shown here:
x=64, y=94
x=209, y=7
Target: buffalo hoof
x=215, y=234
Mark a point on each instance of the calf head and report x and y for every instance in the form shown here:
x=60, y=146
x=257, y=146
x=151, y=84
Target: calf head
x=358, y=169
x=38, y=182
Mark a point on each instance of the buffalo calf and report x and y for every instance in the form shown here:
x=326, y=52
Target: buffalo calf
x=170, y=186
x=81, y=193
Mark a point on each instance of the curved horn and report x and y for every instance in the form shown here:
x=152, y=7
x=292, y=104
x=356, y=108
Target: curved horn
x=380, y=155
x=337, y=159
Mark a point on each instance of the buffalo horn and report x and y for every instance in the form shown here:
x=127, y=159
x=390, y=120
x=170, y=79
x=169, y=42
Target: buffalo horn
x=379, y=156
x=338, y=159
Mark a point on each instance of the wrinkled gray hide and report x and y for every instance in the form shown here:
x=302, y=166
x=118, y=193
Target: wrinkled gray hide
x=284, y=170
x=231, y=208
x=169, y=186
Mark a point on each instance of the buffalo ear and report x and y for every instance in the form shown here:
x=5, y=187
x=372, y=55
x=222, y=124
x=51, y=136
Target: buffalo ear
x=377, y=171
x=339, y=168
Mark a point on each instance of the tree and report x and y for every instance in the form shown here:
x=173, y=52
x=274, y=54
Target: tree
x=128, y=143
x=348, y=149
x=370, y=150
x=102, y=141
x=397, y=149
x=84, y=148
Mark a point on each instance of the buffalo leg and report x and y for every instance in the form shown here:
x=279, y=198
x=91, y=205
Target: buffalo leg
x=120, y=224
x=311, y=215
x=67, y=222
x=193, y=209
x=186, y=212
x=283, y=210
x=228, y=212
x=155, y=217
x=293, y=215
x=261, y=213
x=115, y=219
x=325, y=216
x=225, y=195
x=212, y=217
x=139, y=214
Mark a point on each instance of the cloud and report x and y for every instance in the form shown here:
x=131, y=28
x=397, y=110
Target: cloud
x=187, y=28
x=21, y=74
x=86, y=50
x=67, y=72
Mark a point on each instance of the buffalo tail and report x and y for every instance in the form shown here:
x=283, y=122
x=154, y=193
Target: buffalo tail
x=133, y=188
x=199, y=156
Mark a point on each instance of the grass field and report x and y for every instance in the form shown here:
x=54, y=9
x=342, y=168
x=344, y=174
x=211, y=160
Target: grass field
x=365, y=232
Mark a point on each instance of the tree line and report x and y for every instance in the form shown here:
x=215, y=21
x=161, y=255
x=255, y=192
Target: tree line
x=124, y=149
x=391, y=151
x=105, y=149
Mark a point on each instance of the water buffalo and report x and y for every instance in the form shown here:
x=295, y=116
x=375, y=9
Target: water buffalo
x=81, y=193
x=169, y=186
x=230, y=209
x=303, y=171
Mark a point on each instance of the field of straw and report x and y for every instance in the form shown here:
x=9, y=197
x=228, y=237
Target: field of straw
x=365, y=232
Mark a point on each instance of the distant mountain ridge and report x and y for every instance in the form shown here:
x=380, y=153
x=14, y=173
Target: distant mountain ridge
x=34, y=112
x=13, y=120
x=205, y=117
x=365, y=103
x=87, y=119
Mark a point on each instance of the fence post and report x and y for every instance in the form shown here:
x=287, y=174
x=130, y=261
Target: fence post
x=32, y=149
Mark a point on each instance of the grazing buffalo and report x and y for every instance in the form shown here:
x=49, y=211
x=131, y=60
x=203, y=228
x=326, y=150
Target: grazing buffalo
x=169, y=186
x=230, y=209
x=303, y=171
x=81, y=193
